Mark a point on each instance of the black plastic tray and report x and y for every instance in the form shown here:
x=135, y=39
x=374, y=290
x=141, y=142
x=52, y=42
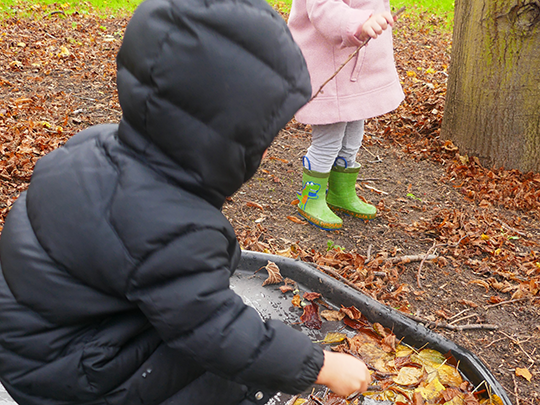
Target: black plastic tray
x=271, y=303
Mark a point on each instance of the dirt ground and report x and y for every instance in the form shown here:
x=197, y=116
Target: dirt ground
x=482, y=225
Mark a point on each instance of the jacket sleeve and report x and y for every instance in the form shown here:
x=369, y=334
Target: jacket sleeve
x=337, y=21
x=184, y=291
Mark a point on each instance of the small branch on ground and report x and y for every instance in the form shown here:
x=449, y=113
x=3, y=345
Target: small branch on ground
x=506, y=302
x=418, y=274
x=473, y=326
x=410, y=258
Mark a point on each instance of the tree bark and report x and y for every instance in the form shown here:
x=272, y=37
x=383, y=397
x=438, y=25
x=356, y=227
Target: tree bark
x=493, y=97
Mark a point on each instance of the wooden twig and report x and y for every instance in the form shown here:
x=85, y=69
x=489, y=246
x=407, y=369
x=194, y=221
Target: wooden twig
x=338, y=276
x=418, y=274
x=352, y=55
x=515, y=389
x=461, y=319
x=474, y=326
x=458, y=314
x=506, y=302
x=410, y=258
x=518, y=343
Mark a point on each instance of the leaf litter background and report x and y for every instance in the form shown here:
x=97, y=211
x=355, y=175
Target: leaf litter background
x=455, y=245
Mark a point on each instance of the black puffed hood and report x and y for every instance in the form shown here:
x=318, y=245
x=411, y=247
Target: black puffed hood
x=209, y=84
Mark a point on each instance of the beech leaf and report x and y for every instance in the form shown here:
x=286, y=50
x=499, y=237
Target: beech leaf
x=274, y=276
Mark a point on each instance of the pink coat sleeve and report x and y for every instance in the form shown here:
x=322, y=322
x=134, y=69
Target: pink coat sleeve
x=336, y=21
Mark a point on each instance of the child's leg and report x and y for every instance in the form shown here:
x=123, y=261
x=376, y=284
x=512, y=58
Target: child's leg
x=326, y=142
x=352, y=141
x=342, y=180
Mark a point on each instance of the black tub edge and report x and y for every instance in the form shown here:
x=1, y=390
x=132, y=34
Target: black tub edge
x=404, y=327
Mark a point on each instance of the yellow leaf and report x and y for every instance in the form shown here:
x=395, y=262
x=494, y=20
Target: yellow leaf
x=448, y=375
x=431, y=390
x=300, y=401
x=432, y=355
x=484, y=237
x=408, y=376
x=403, y=351
x=333, y=337
x=297, y=301
x=523, y=372
x=64, y=52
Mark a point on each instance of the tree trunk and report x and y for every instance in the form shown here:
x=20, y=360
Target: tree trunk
x=493, y=98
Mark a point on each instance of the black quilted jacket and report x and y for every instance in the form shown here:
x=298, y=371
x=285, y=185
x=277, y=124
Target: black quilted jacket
x=115, y=263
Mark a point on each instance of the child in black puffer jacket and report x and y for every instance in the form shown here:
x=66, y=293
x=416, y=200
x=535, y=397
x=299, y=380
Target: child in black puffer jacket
x=115, y=263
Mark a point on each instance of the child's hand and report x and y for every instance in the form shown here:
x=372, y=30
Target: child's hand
x=343, y=374
x=375, y=25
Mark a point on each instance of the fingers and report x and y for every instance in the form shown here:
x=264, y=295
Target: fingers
x=376, y=24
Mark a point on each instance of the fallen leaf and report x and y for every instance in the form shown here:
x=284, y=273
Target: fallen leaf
x=274, y=276
x=481, y=283
x=286, y=288
x=409, y=376
x=310, y=317
x=468, y=303
x=523, y=372
x=333, y=337
x=297, y=301
x=254, y=205
x=331, y=315
x=352, y=312
x=296, y=220
x=311, y=296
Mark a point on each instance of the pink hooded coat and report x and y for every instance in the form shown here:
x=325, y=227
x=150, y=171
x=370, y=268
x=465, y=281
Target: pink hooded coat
x=368, y=85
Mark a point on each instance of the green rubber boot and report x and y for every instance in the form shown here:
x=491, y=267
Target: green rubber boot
x=312, y=201
x=342, y=193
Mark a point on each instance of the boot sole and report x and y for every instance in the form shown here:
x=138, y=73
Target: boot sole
x=351, y=213
x=319, y=224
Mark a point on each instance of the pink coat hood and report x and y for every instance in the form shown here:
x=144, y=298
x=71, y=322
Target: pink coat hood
x=368, y=85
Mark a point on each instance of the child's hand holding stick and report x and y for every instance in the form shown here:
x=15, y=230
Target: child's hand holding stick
x=371, y=29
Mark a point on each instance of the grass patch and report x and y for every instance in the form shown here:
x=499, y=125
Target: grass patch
x=425, y=12
x=43, y=8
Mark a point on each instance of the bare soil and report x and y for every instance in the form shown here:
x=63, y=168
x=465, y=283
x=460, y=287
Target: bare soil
x=57, y=77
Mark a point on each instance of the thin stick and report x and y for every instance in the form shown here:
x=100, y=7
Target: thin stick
x=339, y=276
x=418, y=274
x=506, y=302
x=462, y=319
x=410, y=258
x=459, y=313
x=352, y=55
x=517, y=342
x=515, y=389
x=445, y=325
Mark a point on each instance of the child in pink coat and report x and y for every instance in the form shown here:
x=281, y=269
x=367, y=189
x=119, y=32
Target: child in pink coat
x=328, y=32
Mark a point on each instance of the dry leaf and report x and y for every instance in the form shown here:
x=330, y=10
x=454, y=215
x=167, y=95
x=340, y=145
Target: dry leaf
x=286, y=288
x=331, y=315
x=468, y=303
x=523, y=372
x=311, y=296
x=254, y=205
x=296, y=220
x=274, y=276
x=310, y=317
x=352, y=312
x=297, y=301
x=481, y=283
